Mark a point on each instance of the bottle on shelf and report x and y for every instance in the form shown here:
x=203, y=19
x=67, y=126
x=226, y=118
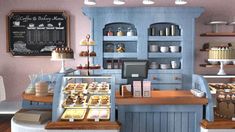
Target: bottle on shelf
x=130, y=32
x=110, y=32
x=120, y=32
x=172, y=30
x=120, y=47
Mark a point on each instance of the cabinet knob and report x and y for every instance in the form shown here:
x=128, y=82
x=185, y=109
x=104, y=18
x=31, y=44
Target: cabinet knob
x=177, y=78
x=154, y=78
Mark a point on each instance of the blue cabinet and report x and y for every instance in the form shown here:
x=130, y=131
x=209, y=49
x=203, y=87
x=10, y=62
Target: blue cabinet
x=159, y=26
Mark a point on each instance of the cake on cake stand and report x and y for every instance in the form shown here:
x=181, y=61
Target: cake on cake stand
x=222, y=62
x=62, y=54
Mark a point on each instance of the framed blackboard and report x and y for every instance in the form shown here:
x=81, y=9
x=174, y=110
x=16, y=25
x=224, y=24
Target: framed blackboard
x=36, y=33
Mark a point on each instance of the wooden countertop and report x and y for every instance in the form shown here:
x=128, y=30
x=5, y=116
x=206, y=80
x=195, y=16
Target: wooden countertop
x=32, y=97
x=84, y=125
x=163, y=97
x=218, y=124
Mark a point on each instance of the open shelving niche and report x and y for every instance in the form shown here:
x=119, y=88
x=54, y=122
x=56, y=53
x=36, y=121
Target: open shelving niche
x=165, y=40
x=110, y=55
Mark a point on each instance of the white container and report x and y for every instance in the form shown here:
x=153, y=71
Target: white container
x=175, y=64
x=154, y=65
x=167, y=31
x=153, y=48
x=164, y=49
x=165, y=66
x=174, y=49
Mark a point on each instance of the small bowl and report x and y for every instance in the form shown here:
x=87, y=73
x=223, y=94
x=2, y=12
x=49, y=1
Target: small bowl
x=165, y=66
x=153, y=48
x=174, y=49
x=164, y=49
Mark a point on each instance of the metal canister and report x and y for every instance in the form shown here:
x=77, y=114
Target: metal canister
x=167, y=31
x=172, y=30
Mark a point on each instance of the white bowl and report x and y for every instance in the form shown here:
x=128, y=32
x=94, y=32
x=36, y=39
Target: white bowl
x=174, y=49
x=153, y=48
x=165, y=66
x=164, y=49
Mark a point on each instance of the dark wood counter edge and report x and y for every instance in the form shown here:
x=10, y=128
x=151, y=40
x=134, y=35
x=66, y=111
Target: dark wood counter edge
x=32, y=97
x=173, y=97
x=84, y=125
x=218, y=124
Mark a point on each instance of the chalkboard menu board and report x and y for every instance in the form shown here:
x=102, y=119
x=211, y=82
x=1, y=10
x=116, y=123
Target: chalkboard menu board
x=37, y=33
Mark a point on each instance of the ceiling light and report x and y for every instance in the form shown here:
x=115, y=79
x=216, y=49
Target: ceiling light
x=89, y=2
x=119, y=2
x=180, y=2
x=148, y=2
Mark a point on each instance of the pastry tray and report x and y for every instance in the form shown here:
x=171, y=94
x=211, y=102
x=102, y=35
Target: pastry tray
x=74, y=105
x=98, y=89
x=98, y=116
x=76, y=114
x=99, y=104
x=72, y=87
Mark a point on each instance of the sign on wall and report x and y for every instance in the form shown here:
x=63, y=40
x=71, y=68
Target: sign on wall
x=37, y=33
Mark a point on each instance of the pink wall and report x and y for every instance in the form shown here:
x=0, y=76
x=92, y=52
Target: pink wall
x=15, y=70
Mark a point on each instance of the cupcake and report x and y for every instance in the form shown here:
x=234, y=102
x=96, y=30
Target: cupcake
x=92, y=53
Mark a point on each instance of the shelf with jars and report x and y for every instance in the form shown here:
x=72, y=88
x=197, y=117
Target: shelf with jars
x=119, y=42
x=164, y=41
x=84, y=100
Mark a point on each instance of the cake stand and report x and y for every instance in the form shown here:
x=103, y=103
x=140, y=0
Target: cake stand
x=62, y=69
x=222, y=61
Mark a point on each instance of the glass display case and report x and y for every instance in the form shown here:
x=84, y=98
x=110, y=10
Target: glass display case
x=85, y=99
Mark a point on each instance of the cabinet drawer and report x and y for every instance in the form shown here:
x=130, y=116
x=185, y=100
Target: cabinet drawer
x=165, y=78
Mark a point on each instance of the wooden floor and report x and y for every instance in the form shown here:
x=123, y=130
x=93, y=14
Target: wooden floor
x=5, y=123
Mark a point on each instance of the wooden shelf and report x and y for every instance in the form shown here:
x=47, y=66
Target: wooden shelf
x=218, y=124
x=164, y=55
x=204, y=50
x=165, y=97
x=212, y=66
x=32, y=97
x=120, y=38
x=84, y=125
x=120, y=55
x=221, y=34
x=165, y=38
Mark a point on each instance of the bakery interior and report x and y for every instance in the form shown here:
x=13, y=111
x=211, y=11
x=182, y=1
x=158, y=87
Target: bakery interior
x=192, y=95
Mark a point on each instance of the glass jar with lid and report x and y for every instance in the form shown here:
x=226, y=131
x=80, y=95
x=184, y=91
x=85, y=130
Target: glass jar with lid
x=120, y=32
x=130, y=32
x=120, y=47
x=110, y=32
x=109, y=47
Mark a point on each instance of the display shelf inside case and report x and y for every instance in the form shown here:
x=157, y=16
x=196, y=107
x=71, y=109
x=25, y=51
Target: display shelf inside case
x=85, y=98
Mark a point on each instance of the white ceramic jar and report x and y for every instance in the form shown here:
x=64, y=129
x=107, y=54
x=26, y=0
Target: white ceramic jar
x=153, y=48
x=174, y=48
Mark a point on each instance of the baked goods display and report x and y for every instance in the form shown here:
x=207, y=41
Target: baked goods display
x=221, y=52
x=88, y=66
x=92, y=97
x=62, y=53
x=103, y=114
x=76, y=114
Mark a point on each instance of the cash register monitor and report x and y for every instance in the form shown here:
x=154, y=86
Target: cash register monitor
x=134, y=70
